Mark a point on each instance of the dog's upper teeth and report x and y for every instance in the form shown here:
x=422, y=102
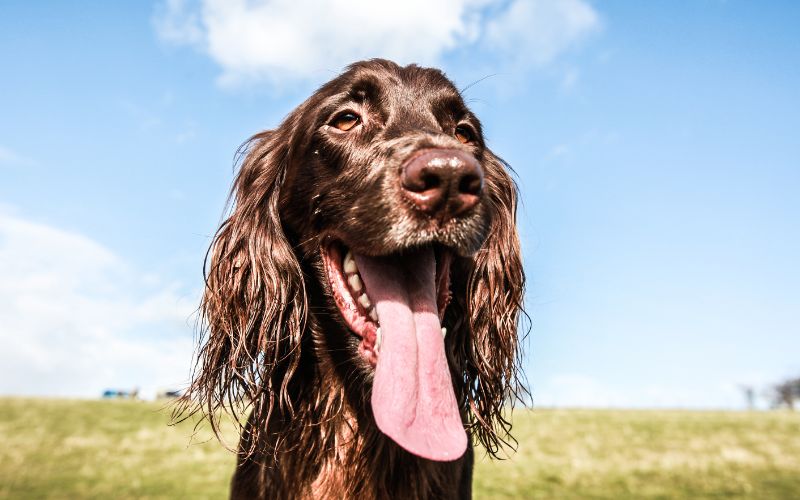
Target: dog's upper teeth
x=378, y=339
x=444, y=332
x=350, y=263
x=355, y=282
x=364, y=301
x=374, y=315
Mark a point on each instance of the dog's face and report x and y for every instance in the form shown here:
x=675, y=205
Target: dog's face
x=392, y=187
x=392, y=160
x=361, y=167
x=376, y=228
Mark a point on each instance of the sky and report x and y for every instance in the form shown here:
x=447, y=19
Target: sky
x=656, y=146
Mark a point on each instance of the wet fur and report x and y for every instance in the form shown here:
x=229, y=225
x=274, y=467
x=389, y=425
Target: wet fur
x=274, y=345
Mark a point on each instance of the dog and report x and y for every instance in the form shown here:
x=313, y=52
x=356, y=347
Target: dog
x=362, y=297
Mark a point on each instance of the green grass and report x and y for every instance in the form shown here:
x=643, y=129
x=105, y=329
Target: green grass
x=124, y=449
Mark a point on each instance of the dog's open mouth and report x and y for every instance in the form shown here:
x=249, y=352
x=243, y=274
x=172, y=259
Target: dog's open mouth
x=395, y=304
x=356, y=305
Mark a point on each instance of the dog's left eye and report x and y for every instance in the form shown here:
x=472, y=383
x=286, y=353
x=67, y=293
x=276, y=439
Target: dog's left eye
x=346, y=121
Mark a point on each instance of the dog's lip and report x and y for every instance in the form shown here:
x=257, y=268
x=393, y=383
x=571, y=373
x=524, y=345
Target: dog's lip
x=355, y=315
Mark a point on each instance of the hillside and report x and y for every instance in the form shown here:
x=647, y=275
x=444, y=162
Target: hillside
x=124, y=449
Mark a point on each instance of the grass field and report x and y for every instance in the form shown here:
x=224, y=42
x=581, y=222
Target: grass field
x=124, y=449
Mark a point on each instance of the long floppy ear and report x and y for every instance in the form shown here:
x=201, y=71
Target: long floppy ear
x=489, y=356
x=253, y=310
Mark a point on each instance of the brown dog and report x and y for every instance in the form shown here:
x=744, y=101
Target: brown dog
x=362, y=297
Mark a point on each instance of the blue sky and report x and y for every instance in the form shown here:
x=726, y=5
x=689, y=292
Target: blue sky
x=656, y=147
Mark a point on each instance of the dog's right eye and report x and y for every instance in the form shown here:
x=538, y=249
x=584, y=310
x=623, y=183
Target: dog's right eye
x=464, y=134
x=346, y=121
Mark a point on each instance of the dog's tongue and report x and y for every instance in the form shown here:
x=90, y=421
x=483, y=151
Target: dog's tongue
x=412, y=393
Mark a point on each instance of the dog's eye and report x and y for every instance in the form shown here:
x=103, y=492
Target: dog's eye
x=464, y=134
x=346, y=121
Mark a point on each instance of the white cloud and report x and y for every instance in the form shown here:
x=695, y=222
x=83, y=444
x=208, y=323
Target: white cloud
x=280, y=40
x=572, y=389
x=570, y=79
x=75, y=319
x=536, y=31
x=585, y=391
x=179, y=22
x=10, y=157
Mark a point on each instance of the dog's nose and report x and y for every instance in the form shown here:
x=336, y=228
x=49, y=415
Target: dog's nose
x=442, y=183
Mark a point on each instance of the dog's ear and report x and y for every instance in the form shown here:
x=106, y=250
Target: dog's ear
x=254, y=304
x=485, y=347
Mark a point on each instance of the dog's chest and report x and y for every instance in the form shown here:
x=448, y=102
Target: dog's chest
x=334, y=476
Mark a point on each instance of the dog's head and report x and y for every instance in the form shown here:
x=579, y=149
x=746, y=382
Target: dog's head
x=372, y=233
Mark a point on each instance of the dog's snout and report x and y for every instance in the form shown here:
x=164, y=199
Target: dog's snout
x=442, y=183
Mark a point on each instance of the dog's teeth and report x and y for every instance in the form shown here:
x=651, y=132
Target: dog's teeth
x=378, y=339
x=355, y=282
x=350, y=263
x=444, y=332
x=374, y=315
x=364, y=301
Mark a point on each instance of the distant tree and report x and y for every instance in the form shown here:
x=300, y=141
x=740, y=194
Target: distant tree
x=749, y=393
x=786, y=393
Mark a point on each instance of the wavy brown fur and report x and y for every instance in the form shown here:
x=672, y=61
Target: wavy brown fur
x=274, y=346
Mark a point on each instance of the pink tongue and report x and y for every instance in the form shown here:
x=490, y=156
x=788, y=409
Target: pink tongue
x=412, y=392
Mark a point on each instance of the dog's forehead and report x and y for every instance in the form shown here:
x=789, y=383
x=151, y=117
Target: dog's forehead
x=387, y=81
